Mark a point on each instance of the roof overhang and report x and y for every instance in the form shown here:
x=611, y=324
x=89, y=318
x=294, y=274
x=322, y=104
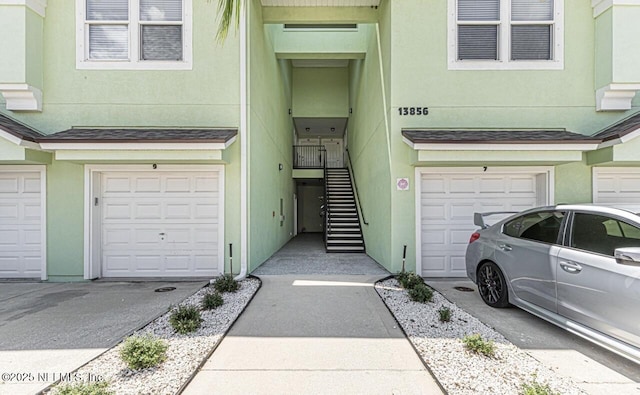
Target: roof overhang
x=494, y=146
x=17, y=140
x=127, y=145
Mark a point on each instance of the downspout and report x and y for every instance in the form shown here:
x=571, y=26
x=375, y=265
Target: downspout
x=244, y=143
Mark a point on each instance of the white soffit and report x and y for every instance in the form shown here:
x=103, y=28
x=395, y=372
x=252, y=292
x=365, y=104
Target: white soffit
x=320, y=3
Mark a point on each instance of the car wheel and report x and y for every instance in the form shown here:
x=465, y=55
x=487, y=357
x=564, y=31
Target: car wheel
x=492, y=285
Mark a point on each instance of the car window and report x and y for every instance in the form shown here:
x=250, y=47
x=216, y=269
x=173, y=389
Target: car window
x=602, y=234
x=540, y=226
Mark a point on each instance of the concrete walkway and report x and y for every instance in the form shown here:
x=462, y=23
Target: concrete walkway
x=305, y=254
x=311, y=334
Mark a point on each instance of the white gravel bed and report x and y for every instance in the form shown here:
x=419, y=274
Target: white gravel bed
x=458, y=370
x=185, y=352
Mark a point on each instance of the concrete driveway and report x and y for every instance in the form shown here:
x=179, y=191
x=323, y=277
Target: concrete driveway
x=593, y=368
x=48, y=329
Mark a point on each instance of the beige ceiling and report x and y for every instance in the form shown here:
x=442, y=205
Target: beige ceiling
x=320, y=127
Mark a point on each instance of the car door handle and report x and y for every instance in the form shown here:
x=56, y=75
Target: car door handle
x=570, y=267
x=505, y=247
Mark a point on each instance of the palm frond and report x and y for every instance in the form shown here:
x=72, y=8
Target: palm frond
x=228, y=10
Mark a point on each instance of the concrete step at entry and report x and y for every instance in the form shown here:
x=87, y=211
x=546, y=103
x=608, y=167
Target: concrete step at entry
x=345, y=249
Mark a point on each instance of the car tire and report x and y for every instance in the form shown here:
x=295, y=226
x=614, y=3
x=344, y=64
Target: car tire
x=492, y=286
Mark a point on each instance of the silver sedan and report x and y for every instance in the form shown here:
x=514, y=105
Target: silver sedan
x=577, y=266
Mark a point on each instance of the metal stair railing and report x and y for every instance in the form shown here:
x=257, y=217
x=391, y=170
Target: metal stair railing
x=355, y=188
x=327, y=209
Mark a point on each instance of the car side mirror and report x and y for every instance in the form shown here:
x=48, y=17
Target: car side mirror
x=627, y=256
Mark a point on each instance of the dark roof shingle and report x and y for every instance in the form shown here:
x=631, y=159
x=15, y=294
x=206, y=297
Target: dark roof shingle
x=19, y=129
x=619, y=129
x=142, y=135
x=496, y=136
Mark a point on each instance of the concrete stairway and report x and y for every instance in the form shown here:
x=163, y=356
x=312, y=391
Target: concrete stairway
x=343, y=231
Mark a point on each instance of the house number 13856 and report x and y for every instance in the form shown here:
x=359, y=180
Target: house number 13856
x=413, y=111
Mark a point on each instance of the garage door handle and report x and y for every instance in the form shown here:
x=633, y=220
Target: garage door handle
x=505, y=247
x=570, y=267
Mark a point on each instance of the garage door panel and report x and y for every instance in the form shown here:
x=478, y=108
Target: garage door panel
x=447, y=214
x=492, y=185
x=21, y=224
x=147, y=184
x=169, y=221
x=523, y=185
x=31, y=185
x=9, y=211
x=459, y=211
x=178, y=184
x=434, y=237
x=179, y=263
x=433, y=185
x=206, y=184
x=116, y=211
x=461, y=185
x=619, y=186
x=433, y=264
x=8, y=184
x=179, y=211
x=116, y=184
x=458, y=265
x=147, y=211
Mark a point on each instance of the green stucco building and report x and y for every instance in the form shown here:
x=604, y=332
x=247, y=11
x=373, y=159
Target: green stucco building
x=133, y=144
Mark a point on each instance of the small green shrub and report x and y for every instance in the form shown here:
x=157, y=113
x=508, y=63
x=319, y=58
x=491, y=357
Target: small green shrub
x=445, y=314
x=93, y=388
x=535, y=388
x=475, y=343
x=421, y=293
x=409, y=280
x=141, y=352
x=185, y=319
x=226, y=283
x=402, y=277
x=212, y=300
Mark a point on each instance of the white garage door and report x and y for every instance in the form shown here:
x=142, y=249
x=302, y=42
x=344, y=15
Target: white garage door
x=160, y=224
x=620, y=186
x=21, y=224
x=448, y=202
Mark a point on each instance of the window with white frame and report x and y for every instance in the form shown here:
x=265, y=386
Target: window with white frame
x=509, y=34
x=134, y=34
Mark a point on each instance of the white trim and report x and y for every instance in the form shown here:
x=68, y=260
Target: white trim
x=17, y=140
x=91, y=170
x=616, y=97
x=501, y=147
x=10, y=137
x=548, y=171
x=133, y=63
x=195, y=146
x=21, y=97
x=244, y=143
x=37, y=6
x=621, y=140
x=504, y=63
x=42, y=169
x=600, y=6
x=520, y=147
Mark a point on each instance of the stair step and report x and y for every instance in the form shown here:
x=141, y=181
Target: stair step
x=348, y=236
x=345, y=242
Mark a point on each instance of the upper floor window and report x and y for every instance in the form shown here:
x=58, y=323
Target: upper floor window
x=134, y=34
x=505, y=34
